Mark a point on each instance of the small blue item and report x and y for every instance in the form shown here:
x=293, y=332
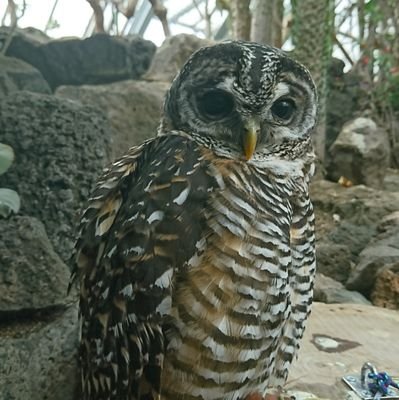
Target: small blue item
x=380, y=383
x=373, y=385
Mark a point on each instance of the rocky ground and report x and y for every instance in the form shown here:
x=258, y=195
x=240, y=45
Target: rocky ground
x=68, y=107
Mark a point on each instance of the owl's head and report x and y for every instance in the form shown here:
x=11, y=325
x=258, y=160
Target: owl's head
x=244, y=100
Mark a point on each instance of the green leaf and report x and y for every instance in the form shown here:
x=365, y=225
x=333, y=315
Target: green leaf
x=370, y=6
x=9, y=202
x=6, y=157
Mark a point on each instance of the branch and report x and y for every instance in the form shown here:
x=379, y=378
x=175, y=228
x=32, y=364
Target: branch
x=98, y=15
x=196, y=5
x=241, y=17
x=349, y=36
x=12, y=9
x=345, y=53
x=129, y=10
x=160, y=11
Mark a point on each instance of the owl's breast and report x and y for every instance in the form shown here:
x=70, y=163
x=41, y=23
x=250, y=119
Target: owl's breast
x=231, y=302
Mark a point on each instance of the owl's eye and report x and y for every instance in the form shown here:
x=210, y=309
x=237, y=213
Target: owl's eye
x=215, y=104
x=283, y=109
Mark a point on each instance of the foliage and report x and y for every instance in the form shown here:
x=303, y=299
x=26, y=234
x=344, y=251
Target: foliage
x=9, y=199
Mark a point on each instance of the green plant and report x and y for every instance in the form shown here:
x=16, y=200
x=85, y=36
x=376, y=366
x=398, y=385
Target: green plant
x=9, y=199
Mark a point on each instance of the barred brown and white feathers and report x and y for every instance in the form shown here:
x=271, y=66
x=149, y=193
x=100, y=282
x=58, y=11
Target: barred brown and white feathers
x=196, y=252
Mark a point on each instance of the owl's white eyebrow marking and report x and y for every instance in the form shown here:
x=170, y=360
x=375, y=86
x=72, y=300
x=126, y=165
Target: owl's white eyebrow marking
x=281, y=89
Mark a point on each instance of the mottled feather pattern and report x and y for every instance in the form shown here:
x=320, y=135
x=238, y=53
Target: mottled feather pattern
x=229, y=313
x=127, y=290
x=235, y=310
x=195, y=262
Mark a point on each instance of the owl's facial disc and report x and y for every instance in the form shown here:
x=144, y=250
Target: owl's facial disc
x=244, y=100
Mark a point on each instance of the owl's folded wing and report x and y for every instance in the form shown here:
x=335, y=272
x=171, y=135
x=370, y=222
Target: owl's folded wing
x=138, y=232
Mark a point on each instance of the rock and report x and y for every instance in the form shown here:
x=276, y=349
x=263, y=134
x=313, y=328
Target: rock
x=359, y=204
x=325, y=223
x=327, y=290
x=342, y=99
x=172, y=55
x=98, y=59
x=388, y=222
x=32, y=276
x=38, y=359
x=347, y=217
x=17, y=75
x=333, y=260
x=395, y=153
x=381, y=252
x=391, y=179
x=386, y=288
x=360, y=153
x=132, y=107
x=347, y=222
x=325, y=392
x=394, y=133
x=29, y=34
x=60, y=148
x=338, y=339
x=355, y=237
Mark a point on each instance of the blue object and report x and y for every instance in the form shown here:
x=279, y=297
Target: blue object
x=381, y=382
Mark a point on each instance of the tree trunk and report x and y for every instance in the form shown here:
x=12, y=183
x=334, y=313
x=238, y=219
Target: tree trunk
x=262, y=21
x=312, y=34
x=241, y=19
x=267, y=17
x=277, y=29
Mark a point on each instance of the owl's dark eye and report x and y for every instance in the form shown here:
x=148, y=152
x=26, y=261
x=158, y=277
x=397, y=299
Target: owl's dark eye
x=283, y=109
x=215, y=104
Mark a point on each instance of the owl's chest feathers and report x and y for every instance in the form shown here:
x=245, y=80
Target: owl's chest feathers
x=234, y=298
x=240, y=268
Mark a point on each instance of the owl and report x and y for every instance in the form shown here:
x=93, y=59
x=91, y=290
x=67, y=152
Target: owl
x=196, y=253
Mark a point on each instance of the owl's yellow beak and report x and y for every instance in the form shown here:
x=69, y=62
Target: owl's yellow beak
x=250, y=138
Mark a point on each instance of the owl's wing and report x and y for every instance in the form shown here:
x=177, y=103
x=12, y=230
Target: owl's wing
x=141, y=227
x=301, y=275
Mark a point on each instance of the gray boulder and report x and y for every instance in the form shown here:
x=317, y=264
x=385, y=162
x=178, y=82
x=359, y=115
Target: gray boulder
x=60, y=148
x=347, y=240
x=327, y=290
x=360, y=153
x=172, y=55
x=32, y=276
x=359, y=204
x=38, y=358
x=347, y=222
x=17, y=75
x=333, y=260
x=29, y=34
x=133, y=109
x=382, y=252
x=391, y=179
x=388, y=222
x=98, y=59
x=343, y=98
